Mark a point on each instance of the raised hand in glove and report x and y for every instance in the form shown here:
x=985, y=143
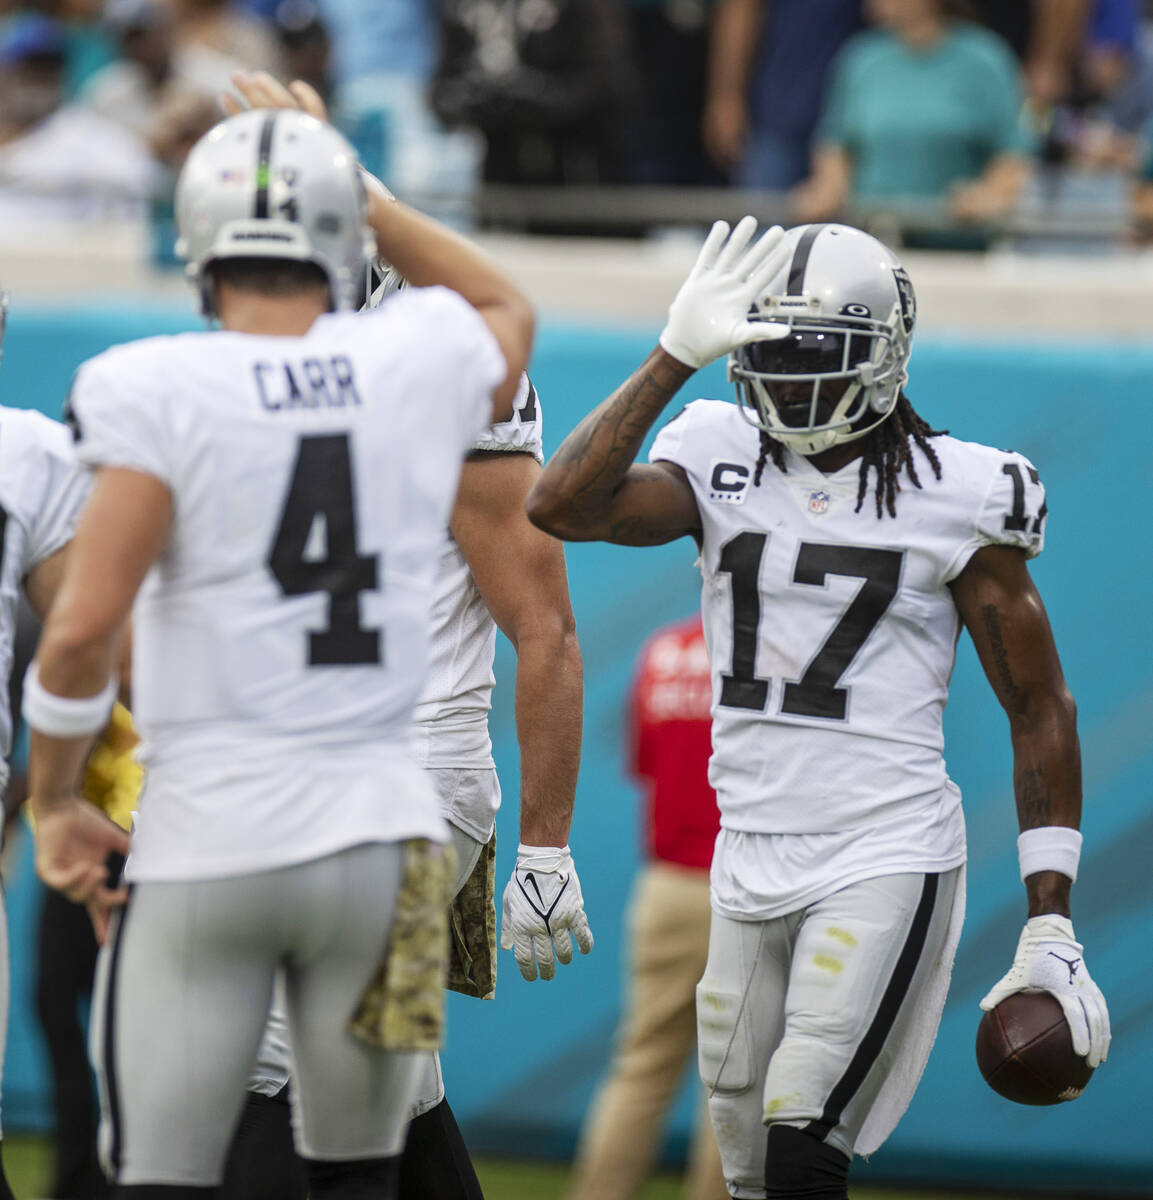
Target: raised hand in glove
x=543, y=908
x=1049, y=959
x=709, y=315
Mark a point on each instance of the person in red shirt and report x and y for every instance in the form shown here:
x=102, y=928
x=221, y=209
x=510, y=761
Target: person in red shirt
x=668, y=928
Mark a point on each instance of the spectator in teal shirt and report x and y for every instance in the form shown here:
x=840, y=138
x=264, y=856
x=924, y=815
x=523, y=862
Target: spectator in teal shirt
x=924, y=106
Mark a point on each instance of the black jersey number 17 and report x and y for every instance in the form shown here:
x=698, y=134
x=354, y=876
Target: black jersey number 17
x=816, y=693
x=321, y=486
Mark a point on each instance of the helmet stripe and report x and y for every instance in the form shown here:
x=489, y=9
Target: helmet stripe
x=263, y=153
x=801, y=260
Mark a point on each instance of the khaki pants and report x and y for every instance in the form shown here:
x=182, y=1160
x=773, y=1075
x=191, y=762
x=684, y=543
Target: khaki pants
x=668, y=938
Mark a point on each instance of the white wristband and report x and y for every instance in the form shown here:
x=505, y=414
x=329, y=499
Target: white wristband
x=1050, y=848
x=541, y=858
x=65, y=716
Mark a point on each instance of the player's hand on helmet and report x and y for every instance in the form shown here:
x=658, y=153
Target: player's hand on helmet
x=74, y=840
x=709, y=315
x=1050, y=959
x=543, y=910
x=259, y=89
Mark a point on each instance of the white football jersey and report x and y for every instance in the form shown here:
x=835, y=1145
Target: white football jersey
x=450, y=723
x=831, y=632
x=281, y=640
x=42, y=490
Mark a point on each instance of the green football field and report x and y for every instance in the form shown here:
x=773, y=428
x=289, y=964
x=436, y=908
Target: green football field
x=26, y=1160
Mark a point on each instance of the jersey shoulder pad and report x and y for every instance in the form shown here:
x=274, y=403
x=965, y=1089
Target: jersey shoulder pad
x=117, y=408
x=522, y=433
x=25, y=430
x=42, y=485
x=1007, y=496
x=700, y=417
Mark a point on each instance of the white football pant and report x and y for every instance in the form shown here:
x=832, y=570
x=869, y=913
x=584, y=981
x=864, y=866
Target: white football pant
x=182, y=994
x=814, y=1018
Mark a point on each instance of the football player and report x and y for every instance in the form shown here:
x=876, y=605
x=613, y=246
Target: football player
x=843, y=545
x=42, y=490
x=495, y=569
x=279, y=487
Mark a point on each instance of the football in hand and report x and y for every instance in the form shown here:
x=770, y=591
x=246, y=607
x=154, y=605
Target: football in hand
x=1025, y=1051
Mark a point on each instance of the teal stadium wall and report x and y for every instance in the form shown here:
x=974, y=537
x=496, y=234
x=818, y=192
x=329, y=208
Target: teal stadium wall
x=521, y=1070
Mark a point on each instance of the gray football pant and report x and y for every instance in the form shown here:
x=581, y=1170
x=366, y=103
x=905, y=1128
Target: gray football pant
x=182, y=995
x=818, y=1018
x=274, y=1061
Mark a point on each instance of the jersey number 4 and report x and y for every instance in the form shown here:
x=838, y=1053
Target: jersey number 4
x=321, y=488
x=816, y=693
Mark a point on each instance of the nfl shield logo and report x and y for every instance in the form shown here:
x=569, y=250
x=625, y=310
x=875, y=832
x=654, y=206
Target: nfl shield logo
x=819, y=502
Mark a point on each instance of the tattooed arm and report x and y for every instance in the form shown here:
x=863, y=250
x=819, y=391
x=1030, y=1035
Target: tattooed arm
x=592, y=490
x=1005, y=617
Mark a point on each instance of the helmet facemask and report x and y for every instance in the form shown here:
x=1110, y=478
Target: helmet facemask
x=829, y=381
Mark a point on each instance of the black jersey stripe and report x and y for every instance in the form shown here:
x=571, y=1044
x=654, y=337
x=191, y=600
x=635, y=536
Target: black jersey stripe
x=800, y=261
x=263, y=154
x=111, y=1076
x=874, y=1039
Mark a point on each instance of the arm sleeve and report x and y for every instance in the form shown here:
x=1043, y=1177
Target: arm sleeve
x=523, y=433
x=118, y=420
x=66, y=485
x=1013, y=511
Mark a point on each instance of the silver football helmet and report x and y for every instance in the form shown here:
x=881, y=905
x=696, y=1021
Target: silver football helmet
x=850, y=309
x=274, y=183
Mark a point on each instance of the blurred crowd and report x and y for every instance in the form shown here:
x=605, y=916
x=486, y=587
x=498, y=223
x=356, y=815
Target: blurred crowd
x=965, y=110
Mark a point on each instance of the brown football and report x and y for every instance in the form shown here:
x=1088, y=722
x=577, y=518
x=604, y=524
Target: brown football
x=1025, y=1051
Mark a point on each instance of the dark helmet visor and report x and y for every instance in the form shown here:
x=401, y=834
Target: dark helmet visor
x=806, y=352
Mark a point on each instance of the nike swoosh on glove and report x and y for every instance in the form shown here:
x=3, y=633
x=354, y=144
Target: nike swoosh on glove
x=1050, y=959
x=543, y=909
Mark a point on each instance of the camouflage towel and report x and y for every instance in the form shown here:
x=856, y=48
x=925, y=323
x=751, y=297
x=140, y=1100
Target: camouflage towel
x=403, y=1006
x=472, y=925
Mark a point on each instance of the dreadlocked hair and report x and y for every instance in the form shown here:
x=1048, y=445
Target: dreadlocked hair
x=888, y=449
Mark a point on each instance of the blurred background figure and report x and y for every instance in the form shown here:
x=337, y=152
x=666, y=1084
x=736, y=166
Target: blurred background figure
x=1047, y=37
x=155, y=68
x=60, y=162
x=383, y=53
x=227, y=29
x=768, y=64
x=668, y=929
x=547, y=82
x=305, y=45
x=669, y=43
x=925, y=107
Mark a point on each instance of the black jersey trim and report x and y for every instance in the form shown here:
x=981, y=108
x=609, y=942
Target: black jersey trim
x=874, y=1039
x=800, y=261
x=263, y=154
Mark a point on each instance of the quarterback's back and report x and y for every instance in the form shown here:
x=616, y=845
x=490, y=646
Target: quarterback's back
x=311, y=480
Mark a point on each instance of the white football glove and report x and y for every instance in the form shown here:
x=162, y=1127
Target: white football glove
x=543, y=907
x=1049, y=959
x=709, y=315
